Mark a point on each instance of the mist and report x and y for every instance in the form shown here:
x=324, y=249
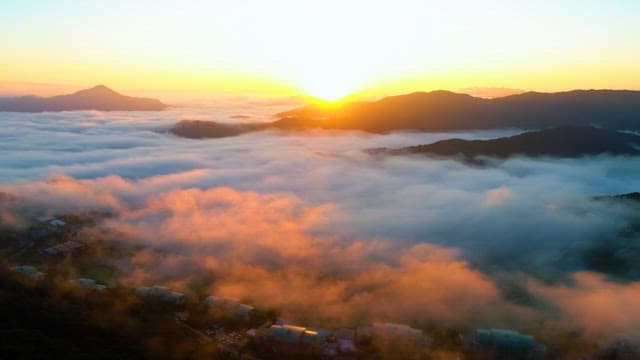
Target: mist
x=309, y=223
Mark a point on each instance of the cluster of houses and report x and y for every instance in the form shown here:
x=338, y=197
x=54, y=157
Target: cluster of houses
x=284, y=335
x=341, y=342
x=32, y=272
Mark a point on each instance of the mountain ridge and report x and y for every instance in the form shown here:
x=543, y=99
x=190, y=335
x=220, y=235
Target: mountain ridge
x=443, y=110
x=98, y=97
x=446, y=111
x=565, y=141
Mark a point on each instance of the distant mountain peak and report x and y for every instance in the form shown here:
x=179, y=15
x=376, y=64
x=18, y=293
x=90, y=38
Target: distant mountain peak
x=98, y=97
x=98, y=89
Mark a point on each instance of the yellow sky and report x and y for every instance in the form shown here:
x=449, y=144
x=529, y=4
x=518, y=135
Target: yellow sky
x=324, y=48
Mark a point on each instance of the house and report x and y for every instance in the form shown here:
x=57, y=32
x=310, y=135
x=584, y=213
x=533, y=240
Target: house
x=52, y=221
x=506, y=340
x=621, y=347
x=294, y=335
x=65, y=248
x=243, y=310
x=344, y=334
x=394, y=331
x=230, y=304
x=57, y=223
x=289, y=334
x=346, y=346
x=334, y=342
x=28, y=270
x=283, y=321
x=389, y=330
x=161, y=293
x=310, y=337
x=88, y=283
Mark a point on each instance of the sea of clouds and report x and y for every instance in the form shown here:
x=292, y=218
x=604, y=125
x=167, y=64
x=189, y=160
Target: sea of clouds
x=309, y=223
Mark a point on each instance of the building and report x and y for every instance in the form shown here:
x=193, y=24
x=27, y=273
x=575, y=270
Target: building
x=230, y=304
x=28, y=270
x=290, y=334
x=243, y=310
x=161, y=293
x=88, y=283
x=345, y=334
x=66, y=248
x=295, y=335
x=52, y=221
x=346, y=346
x=506, y=341
x=344, y=341
x=393, y=331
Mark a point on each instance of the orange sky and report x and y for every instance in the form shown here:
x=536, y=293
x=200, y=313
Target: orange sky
x=327, y=48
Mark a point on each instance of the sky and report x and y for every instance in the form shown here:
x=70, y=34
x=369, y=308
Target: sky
x=326, y=49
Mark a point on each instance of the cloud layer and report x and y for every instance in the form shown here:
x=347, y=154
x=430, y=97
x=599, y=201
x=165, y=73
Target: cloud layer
x=308, y=223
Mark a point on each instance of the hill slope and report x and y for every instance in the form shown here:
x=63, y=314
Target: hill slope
x=565, y=141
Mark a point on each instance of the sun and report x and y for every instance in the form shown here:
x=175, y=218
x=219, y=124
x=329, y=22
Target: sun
x=328, y=90
x=329, y=83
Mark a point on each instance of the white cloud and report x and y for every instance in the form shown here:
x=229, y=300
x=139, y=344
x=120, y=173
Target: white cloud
x=316, y=201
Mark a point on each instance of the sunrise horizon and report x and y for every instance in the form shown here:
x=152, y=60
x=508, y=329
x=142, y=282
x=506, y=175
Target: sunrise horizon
x=321, y=179
x=290, y=49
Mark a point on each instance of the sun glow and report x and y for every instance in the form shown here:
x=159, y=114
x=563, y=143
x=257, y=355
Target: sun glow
x=328, y=89
x=329, y=82
x=327, y=49
x=326, y=54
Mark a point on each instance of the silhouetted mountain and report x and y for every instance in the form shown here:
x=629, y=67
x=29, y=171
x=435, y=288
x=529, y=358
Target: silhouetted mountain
x=565, y=141
x=200, y=129
x=445, y=111
x=97, y=98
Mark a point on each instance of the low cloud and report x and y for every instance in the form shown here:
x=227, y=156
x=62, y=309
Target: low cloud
x=310, y=224
x=602, y=306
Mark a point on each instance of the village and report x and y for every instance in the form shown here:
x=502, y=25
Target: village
x=244, y=331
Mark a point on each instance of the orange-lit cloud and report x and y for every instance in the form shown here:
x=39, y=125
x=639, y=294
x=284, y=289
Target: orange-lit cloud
x=601, y=306
x=327, y=259
x=267, y=249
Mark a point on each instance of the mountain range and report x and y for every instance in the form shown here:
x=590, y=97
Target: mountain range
x=565, y=141
x=447, y=111
x=96, y=98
